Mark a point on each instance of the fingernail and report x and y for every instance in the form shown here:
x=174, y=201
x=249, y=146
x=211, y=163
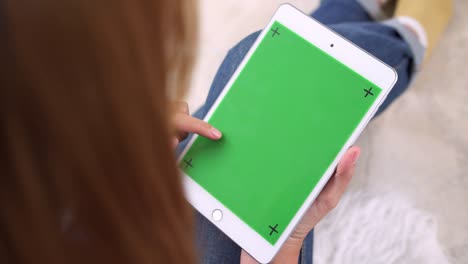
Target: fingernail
x=175, y=142
x=216, y=133
x=355, y=156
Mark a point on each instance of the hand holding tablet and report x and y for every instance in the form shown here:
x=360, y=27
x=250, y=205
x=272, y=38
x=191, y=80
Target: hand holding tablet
x=297, y=102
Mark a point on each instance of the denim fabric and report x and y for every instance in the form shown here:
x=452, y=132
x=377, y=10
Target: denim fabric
x=347, y=18
x=418, y=49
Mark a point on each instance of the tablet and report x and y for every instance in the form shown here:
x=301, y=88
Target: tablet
x=297, y=102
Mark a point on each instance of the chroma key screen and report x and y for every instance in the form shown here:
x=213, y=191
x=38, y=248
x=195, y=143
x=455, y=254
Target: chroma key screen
x=285, y=119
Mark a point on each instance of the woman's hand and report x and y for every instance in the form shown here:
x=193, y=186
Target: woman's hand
x=325, y=202
x=185, y=124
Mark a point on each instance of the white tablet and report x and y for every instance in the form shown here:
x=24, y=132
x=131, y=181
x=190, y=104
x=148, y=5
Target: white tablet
x=297, y=102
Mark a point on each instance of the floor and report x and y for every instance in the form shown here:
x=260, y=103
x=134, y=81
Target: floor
x=418, y=148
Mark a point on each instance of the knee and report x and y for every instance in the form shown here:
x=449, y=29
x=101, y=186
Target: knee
x=379, y=40
x=228, y=67
x=238, y=52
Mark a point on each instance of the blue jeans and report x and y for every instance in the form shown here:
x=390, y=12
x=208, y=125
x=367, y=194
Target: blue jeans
x=347, y=18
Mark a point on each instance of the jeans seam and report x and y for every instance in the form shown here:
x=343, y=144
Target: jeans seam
x=302, y=253
x=399, y=64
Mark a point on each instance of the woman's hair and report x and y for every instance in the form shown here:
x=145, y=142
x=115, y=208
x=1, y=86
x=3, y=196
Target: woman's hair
x=87, y=170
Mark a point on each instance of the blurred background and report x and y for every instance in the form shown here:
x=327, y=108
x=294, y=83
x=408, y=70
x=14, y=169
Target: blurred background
x=408, y=202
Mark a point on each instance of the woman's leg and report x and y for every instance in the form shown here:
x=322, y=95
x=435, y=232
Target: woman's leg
x=380, y=40
x=340, y=11
x=213, y=245
x=385, y=43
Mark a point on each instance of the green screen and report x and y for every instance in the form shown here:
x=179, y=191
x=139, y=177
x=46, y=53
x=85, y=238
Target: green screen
x=284, y=120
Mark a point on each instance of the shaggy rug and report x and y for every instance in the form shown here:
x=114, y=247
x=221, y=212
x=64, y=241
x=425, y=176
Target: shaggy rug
x=377, y=228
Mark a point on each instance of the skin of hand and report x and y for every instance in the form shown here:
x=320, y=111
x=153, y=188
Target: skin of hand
x=325, y=202
x=184, y=124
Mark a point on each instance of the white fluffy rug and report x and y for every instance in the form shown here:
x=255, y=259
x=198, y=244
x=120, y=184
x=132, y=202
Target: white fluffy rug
x=377, y=228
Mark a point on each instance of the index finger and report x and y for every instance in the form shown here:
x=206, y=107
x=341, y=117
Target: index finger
x=191, y=124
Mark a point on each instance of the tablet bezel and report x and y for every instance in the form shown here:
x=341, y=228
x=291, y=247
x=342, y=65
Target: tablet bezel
x=344, y=51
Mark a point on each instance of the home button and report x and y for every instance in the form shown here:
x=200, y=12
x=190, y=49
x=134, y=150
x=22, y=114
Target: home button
x=217, y=215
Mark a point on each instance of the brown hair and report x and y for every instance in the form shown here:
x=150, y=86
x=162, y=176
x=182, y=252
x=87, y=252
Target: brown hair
x=87, y=168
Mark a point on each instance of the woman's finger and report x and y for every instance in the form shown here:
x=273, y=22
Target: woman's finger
x=331, y=194
x=345, y=170
x=188, y=124
x=181, y=107
x=246, y=258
